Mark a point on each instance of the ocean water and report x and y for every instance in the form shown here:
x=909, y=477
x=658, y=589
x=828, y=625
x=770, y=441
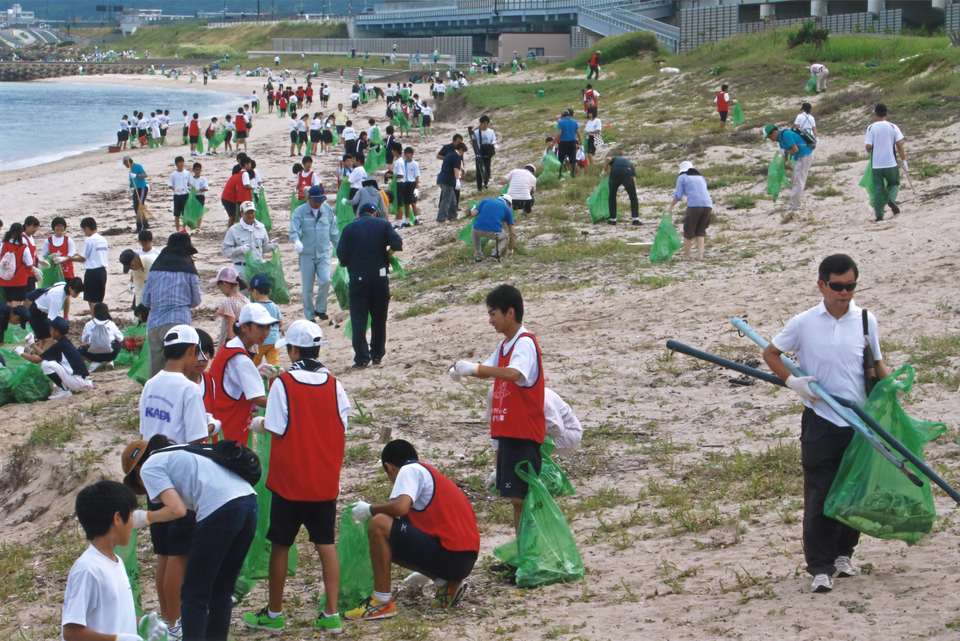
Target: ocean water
x=45, y=121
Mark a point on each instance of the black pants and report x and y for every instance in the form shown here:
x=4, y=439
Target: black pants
x=101, y=357
x=594, y=73
x=39, y=323
x=483, y=176
x=618, y=180
x=567, y=150
x=822, y=445
x=369, y=295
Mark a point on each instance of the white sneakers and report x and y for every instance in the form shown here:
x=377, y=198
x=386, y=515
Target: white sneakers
x=60, y=393
x=821, y=583
x=844, y=568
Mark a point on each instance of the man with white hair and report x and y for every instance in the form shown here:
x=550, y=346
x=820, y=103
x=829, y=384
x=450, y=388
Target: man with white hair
x=247, y=235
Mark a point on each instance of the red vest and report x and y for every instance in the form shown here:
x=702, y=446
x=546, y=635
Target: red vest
x=282, y=103
x=518, y=411
x=233, y=413
x=722, y=104
x=449, y=515
x=209, y=391
x=305, y=462
x=194, y=128
x=23, y=272
x=241, y=123
x=304, y=182
x=62, y=250
x=234, y=190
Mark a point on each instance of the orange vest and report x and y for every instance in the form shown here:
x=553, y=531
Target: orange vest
x=448, y=517
x=518, y=411
x=233, y=413
x=23, y=273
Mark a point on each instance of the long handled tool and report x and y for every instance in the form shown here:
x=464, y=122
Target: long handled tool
x=677, y=346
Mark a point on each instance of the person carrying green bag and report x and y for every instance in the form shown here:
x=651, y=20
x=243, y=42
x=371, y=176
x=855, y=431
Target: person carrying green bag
x=314, y=233
x=309, y=409
x=736, y=114
x=885, y=145
x=794, y=147
x=692, y=187
x=428, y=524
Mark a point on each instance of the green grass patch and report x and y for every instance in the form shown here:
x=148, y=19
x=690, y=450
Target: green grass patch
x=742, y=201
x=930, y=170
x=934, y=358
x=419, y=309
x=827, y=192
x=16, y=571
x=53, y=433
x=614, y=48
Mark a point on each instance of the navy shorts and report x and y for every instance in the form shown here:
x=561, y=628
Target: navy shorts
x=511, y=451
x=416, y=550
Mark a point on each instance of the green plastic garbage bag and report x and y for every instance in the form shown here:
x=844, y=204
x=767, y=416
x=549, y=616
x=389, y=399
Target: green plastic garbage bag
x=598, y=202
x=552, y=475
x=867, y=182
x=126, y=358
x=811, y=86
x=348, y=327
x=376, y=137
x=263, y=211
x=193, y=211
x=199, y=144
x=128, y=554
x=393, y=190
x=336, y=137
x=546, y=550
x=217, y=139
x=51, y=275
x=341, y=286
x=737, y=114
x=29, y=384
x=397, y=267
x=776, y=176
x=370, y=162
x=295, y=202
x=871, y=495
x=666, y=242
x=15, y=334
x=356, y=568
x=549, y=170
x=273, y=268
x=140, y=368
x=6, y=391
x=343, y=211
x=401, y=122
x=466, y=233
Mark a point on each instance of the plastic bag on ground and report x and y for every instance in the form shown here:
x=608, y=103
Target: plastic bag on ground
x=341, y=286
x=193, y=211
x=549, y=170
x=29, y=384
x=666, y=242
x=867, y=182
x=126, y=357
x=776, y=176
x=128, y=554
x=552, y=475
x=871, y=495
x=51, y=275
x=140, y=368
x=811, y=86
x=356, y=568
x=737, y=114
x=273, y=268
x=263, y=211
x=598, y=202
x=15, y=334
x=6, y=391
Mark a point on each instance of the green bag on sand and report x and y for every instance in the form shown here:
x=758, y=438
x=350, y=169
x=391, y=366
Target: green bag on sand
x=397, y=267
x=29, y=384
x=263, y=211
x=776, y=176
x=128, y=554
x=199, y=144
x=393, y=189
x=295, y=202
x=867, y=182
x=348, y=327
x=126, y=358
x=466, y=233
x=868, y=493
x=552, y=475
x=273, y=268
x=51, y=275
x=356, y=568
x=341, y=286
x=737, y=114
x=343, y=211
x=811, y=86
x=140, y=368
x=6, y=391
x=545, y=551
x=15, y=335
x=193, y=211
x=217, y=139
x=598, y=202
x=549, y=170
x=666, y=242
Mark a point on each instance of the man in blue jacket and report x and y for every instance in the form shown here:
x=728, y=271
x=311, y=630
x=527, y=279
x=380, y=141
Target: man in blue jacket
x=314, y=234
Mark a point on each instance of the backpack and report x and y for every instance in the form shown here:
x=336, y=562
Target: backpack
x=237, y=458
x=808, y=137
x=100, y=339
x=8, y=266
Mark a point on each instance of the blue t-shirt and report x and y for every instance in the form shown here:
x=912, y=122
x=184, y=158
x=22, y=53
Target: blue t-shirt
x=450, y=162
x=274, y=310
x=491, y=214
x=788, y=139
x=140, y=181
x=568, y=129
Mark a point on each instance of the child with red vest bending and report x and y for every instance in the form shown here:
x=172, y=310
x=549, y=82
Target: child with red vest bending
x=517, y=421
x=238, y=384
x=307, y=412
x=428, y=526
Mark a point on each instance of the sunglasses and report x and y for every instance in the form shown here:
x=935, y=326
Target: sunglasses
x=839, y=287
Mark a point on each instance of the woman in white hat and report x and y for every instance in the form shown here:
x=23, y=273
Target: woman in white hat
x=692, y=186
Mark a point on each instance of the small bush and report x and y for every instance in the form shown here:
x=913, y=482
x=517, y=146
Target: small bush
x=617, y=47
x=206, y=51
x=742, y=201
x=809, y=33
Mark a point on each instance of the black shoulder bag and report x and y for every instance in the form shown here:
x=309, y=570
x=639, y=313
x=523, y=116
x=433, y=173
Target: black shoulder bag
x=869, y=360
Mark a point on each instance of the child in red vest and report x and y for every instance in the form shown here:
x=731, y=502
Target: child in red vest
x=517, y=421
x=59, y=248
x=723, y=102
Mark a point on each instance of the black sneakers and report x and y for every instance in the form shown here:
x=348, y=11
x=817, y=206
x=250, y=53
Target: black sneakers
x=894, y=207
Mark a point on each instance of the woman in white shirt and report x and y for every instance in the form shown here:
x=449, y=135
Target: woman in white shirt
x=594, y=129
x=805, y=120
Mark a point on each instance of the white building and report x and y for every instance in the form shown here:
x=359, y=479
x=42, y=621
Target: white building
x=16, y=16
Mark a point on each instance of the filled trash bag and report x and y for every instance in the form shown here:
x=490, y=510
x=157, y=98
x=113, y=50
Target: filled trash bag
x=545, y=551
x=51, y=275
x=867, y=182
x=871, y=495
x=776, y=176
x=549, y=170
x=811, y=86
x=129, y=351
x=356, y=568
x=140, y=368
x=6, y=390
x=29, y=384
x=666, y=242
x=737, y=114
x=348, y=327
x=343, y=211
x=273, y=268
x=193, y=211
x=341, y=286
x=396, y=267
x=15, y=334
x=401, y=122
x=199, y=144
x=466, y=233
x=294, y=201
x=598, y=202
x=552, y=475
x=393, y=190
x=263, y=211
x=128, y=554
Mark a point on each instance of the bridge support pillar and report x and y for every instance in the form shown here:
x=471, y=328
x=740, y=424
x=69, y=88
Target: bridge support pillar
x=940, y=4
x=768, y=11
x=876, y=6
x=818, y=8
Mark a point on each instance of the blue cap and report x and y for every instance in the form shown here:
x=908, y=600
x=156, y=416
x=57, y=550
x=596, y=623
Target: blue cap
x=367, y=207
x=261, y=282
x=317, y=192
x=60, y=324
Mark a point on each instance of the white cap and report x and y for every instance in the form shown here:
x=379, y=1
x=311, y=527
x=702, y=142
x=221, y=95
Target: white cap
x=183, y=335
x=685, y=166
x=247, y=206
x=302, y=333
x=257, y=314
x=507, y=198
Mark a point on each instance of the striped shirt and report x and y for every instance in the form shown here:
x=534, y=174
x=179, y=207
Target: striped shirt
x=170, y=297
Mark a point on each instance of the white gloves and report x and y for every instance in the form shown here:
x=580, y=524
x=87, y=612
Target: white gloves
x=361, y=511
x=906, y=167
x=258, y=424
x=19, y=350
x=459, y=184
x=214, y=426
x=140, y=519
x=466, y=368
x=297, y=245
x=268, y=371
x=801, y=385
x=124, y=636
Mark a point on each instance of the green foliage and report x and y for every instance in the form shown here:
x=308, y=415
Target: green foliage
x=617, y=47
x=809, y=33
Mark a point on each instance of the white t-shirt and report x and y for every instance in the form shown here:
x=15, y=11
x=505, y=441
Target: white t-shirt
x=294, y=124
x=817, y=69
x=171, y=404
x=99, y=335
x=427, y=111
x=204, y=485
x=563, y=426
x=349, y=133
x=357, y=176
x=96, y=251
x=593, y=126
x=406, y=172
x=180, y=182
x=241, y=375
x=523, y=359
x=278, y=410
x=883, y=136
x=415, y=481
x=831, y=350
x=199, y=185
x=316, y=124
x=805, y=122
x=51, y=301
x=354, y=96
x=98, y=595
x=522, y=184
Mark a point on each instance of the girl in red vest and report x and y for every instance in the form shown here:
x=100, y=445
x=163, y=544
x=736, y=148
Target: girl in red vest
x=193, y=132
x=16, y=260
x=723, y=102
x=307, y=178
x=59, y=247
x=517, y=421
x=235, y=191
x=428, y=526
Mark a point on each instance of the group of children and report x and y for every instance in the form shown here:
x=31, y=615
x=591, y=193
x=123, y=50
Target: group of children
x=288, y=100
x=145, y=131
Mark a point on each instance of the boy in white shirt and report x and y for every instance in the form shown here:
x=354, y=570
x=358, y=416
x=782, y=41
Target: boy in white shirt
x=180, y=184
x=198, y=183
x=98, y=600
x=96, y=253
x=407, y=172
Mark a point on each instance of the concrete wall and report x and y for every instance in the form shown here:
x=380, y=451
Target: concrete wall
x=554, y=45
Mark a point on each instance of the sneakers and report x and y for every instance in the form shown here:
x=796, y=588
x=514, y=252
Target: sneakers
x=60, y=393
x=635, y=222
x=328, y=623
x=450, y=599
x=175, y=632
x=372, y=610
x=821, y=583
x=894, y=207
x=262, y=621
x=611, y=221
x=845, y=567
x=94, y=366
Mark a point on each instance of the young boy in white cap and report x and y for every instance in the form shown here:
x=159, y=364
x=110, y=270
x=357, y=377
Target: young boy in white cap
x=307, y=412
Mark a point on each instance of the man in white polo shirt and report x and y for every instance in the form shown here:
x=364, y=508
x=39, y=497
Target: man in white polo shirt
x=829, y=340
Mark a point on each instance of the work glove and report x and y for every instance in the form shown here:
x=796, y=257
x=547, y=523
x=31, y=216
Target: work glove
x=124, y=636
x=268, y=371
x=466, y=368
x=297, y=245
x=801, y=385
x=140, y=519
x=361, y=511
x=214, y=426
x=19, y=350
x=906, y=167
x=258, y=424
